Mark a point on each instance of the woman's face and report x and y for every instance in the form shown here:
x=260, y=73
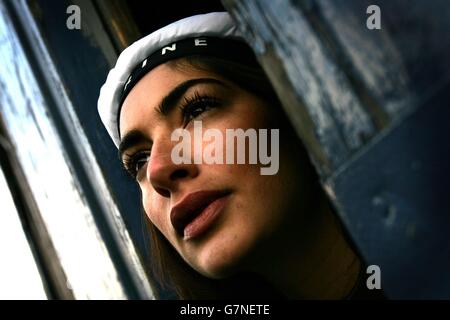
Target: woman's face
x=245, y=211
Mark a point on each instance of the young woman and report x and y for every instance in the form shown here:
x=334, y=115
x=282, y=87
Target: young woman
x=221, y=229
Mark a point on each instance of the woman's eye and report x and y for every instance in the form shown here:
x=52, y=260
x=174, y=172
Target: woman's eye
x=139, y=163
x=196, y=111
x=136, y=162
x=195, y=107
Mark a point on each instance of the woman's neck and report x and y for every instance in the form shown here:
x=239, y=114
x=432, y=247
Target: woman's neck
x=317, y=263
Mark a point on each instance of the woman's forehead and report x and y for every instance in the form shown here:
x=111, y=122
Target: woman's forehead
x=161, y=80
x=146, y=95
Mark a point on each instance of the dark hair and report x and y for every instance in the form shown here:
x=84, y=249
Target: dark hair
x=166, y=265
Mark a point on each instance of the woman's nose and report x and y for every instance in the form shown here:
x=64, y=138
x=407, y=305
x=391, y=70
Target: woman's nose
x=164, y=175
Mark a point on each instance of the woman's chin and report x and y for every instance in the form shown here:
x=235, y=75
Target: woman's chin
x=217, y=270
x=222, y=261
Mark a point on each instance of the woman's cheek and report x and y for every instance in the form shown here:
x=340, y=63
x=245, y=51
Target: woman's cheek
x=154, y=208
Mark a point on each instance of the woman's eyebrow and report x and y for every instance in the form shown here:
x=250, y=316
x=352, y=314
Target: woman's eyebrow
x=130, y=139
x=170, y=100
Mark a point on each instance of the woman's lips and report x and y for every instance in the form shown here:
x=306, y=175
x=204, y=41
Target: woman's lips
x=205, y=219
x=193, y=216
